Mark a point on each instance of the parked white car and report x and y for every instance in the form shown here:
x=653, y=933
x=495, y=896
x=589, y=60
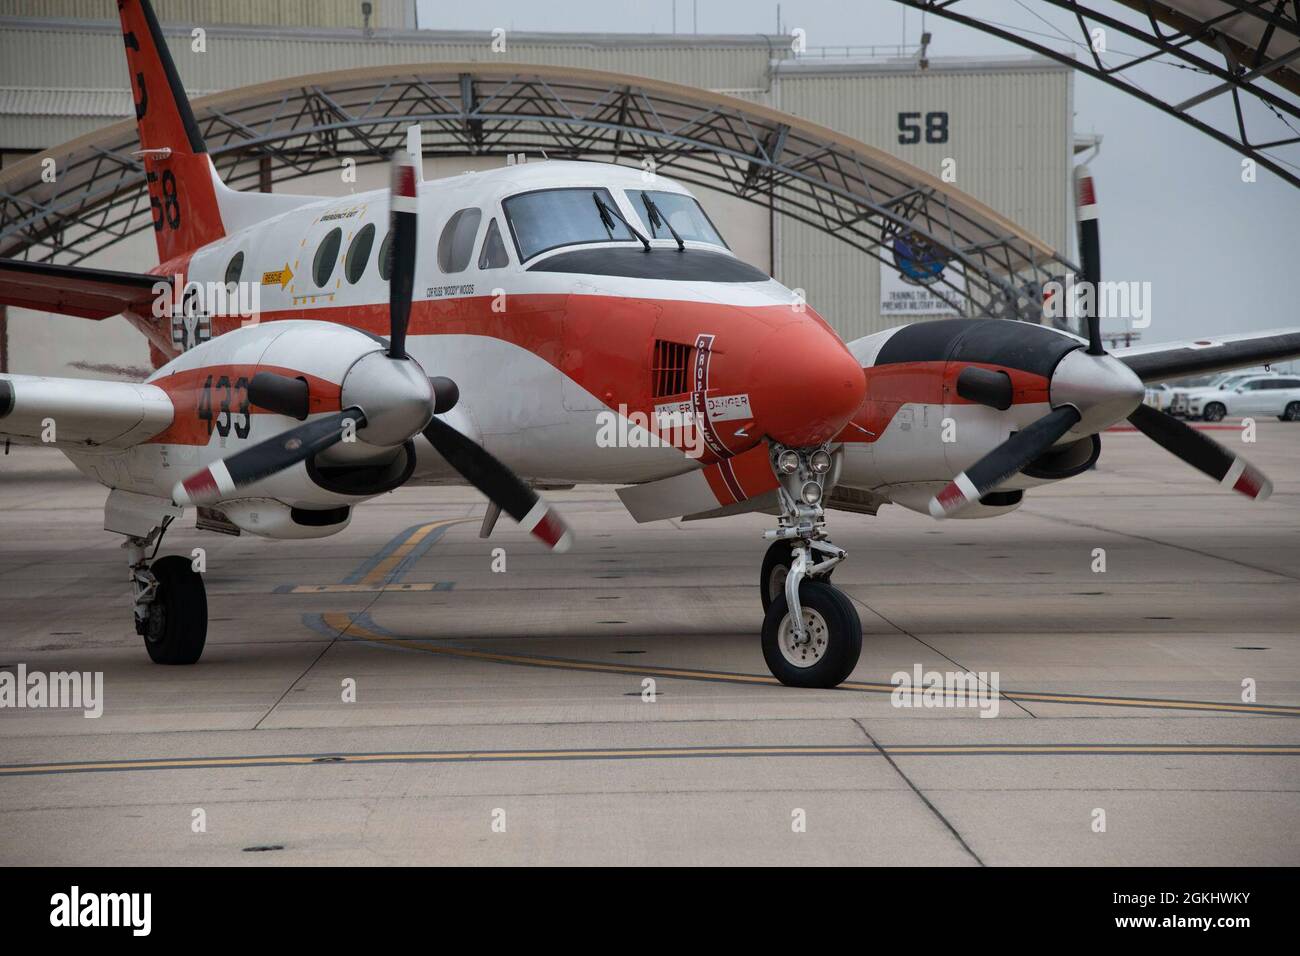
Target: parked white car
x=1183, y=397
x=1159, y=396
x=1255, y=396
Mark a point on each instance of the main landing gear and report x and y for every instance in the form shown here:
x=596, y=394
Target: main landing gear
x=811, y=633
x=171, y=604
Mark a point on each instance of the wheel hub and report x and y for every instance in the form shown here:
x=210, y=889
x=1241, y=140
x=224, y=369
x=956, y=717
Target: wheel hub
x=806, y=652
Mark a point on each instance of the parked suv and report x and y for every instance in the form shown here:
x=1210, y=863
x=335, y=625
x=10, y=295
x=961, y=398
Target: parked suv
x=1258, y=395
x=1180, y=403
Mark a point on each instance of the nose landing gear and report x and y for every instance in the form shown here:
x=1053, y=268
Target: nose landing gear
x=812, y=636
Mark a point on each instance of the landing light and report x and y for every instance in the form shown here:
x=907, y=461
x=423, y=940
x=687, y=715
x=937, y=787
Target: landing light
x=788, y=462
x=811, y=493
x=820, y=462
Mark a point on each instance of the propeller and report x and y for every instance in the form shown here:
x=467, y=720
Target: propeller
x=387, y=398
x=1085, y=197
x=403, y=209
x=499, y=485
x=225, y=476
x=1089, y=391
x=1201, y=452
x=1004, y=461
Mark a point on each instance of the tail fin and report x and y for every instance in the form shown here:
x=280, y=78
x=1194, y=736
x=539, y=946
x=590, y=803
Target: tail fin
x=182, y=180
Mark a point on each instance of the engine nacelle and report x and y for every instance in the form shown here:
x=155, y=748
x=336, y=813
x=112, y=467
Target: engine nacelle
x=915, y=496
x=269, y=518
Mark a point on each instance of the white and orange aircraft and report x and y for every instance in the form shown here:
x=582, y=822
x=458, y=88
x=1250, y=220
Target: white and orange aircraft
x=546, y=299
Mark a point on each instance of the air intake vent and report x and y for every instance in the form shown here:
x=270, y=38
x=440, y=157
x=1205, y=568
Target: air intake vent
x=671, y=368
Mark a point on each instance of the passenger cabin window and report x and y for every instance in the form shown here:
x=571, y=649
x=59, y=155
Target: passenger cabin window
x=327, y=253
x=682, y=212
x=456, y=244
x=493, y=254
x=234, y=268
x=550, y=218
x=354, y=263
x=386, y=256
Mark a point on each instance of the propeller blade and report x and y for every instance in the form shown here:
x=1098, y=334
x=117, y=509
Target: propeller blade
x=1089, y=251
x=401, y=281
x=1202, y=452
x=1004, y=461
x=280, y=394
x=501, y=485
x=224, y=477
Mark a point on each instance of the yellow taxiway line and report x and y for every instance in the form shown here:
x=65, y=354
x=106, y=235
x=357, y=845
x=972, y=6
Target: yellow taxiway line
x=347, y=627
x=641, y=753
x=377, y=575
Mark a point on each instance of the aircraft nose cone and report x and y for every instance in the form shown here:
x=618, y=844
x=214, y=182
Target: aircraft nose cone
x=806, y=385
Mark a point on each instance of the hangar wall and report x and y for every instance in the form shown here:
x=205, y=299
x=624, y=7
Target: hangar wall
x=317, y=13
x=1009, y=125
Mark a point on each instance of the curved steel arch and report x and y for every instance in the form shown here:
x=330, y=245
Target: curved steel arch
x=291, y=128
x=1239, y=45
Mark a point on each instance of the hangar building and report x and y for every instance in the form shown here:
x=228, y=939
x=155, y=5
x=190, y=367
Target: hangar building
x=1000, y=129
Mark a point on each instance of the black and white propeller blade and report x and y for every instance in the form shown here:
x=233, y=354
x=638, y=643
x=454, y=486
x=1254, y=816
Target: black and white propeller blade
x=1089, y=253
x=223, y=478
x=500, y=485
x=1202, y=452
x=403, y=209
x=1004, y=461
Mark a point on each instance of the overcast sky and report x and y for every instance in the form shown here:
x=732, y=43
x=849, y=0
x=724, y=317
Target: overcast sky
x=1220, y=254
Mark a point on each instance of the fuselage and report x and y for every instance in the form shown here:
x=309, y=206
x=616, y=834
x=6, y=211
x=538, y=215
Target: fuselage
x=549, y=326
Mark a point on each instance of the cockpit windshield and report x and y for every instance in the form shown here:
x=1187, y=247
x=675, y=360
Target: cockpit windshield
x=683, y=214
x=550, y=218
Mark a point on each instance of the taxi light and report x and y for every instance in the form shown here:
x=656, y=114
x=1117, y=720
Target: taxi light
x=811, y=493
x=820, y=462
x=788, y=462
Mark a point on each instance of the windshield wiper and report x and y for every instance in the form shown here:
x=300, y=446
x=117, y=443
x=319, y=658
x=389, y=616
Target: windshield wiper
x=657, y=218
x=606, y=220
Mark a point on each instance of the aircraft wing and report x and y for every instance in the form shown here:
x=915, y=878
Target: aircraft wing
x=80, y=413
x=74, y=290
x=1221, y=353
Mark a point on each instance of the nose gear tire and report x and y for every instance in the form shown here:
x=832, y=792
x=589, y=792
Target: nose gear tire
x=834, y=635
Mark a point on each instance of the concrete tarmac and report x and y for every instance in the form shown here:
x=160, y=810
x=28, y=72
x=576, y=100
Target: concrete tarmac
x=506, y=717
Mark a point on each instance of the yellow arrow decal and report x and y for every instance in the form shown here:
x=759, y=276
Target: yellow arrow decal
x=280, y=277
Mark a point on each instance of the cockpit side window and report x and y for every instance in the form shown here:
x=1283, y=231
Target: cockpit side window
x=493, y=254
x=456, y=244
x=549, y=218
x=682, y=212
